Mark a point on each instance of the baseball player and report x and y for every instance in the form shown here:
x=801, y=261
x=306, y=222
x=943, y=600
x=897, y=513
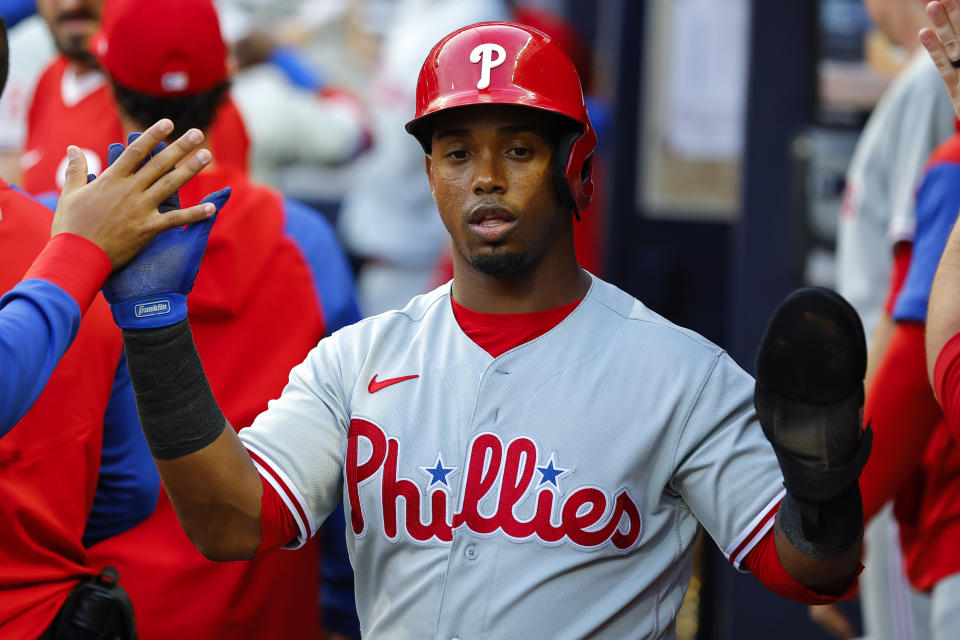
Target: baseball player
x=915, y=446
x=875, y=228
x=274, y=282
x=53, y=400
x=40, y=316
x=72, y=104
x=943, y=314
x=527, y=433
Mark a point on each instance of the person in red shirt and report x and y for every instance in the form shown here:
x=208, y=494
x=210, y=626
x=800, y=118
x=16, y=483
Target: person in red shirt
x=272, y=283
x=55, y=398
x=73, y=104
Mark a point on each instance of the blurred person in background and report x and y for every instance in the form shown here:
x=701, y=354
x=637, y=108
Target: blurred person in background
x=273, y=283
x=70, y=474
x=72, y=104
x=31, y=50
x=282, y=97
x=266, y=121
x=914, y=459
x=875, y=228
x=388, y=219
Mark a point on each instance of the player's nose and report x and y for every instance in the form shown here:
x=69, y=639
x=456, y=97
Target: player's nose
x=488, y=174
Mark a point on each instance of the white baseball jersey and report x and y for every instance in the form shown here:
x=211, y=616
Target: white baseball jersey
x=912, y=118
x=552, y=492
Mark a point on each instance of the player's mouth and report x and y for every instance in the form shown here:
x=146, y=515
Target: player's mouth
x=73, y=22
x=491, y=222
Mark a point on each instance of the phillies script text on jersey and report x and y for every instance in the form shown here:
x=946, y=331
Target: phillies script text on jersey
x=582, y=512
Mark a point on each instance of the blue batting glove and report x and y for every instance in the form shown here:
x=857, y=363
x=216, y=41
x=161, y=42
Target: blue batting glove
x=151, y=290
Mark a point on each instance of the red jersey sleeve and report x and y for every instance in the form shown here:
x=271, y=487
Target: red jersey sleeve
x=74, y=264
x=764, y=563
x=898, y=273
x=277, y=526
x=946, y=380
x=903, y=412
x=283, y=521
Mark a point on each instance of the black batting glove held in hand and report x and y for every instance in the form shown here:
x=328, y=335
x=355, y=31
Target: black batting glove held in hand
x=809, y=400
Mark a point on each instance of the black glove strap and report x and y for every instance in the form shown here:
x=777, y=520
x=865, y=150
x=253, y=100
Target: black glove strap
x=178, y=412
x=807, y=480
x=823, y=529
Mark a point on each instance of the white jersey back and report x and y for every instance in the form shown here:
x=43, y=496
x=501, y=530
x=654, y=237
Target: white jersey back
x=911, y=119
x=498, y=497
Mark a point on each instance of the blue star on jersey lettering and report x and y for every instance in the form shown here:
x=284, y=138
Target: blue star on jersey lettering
x=551, y=473
x=439, y=472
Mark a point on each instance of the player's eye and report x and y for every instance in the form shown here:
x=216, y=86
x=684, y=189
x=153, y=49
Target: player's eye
x=458, y=154
x=519, y=152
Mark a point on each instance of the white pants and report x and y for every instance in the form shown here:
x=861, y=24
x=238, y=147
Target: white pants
x=891, y=609
x=945, y=608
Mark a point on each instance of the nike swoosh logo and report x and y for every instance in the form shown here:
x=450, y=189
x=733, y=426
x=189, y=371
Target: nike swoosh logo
x=376, y=385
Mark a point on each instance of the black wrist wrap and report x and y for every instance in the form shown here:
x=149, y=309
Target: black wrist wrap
x=177, y=410
x=823, y=529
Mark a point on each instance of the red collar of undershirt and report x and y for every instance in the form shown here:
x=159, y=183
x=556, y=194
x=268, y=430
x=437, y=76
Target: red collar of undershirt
x=497, y=333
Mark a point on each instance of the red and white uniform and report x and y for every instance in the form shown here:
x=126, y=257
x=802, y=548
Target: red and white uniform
x=488, y=492
x=67, y=109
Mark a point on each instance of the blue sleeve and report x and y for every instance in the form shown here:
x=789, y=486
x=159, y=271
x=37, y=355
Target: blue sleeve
x=38, y=322
x=13, y=11
x=331, y=272
x=295, y=66
x=938, y=201
x=129, y=484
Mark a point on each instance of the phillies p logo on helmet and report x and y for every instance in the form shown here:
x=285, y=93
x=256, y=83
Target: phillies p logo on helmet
x=536, y=74
x=483, y=53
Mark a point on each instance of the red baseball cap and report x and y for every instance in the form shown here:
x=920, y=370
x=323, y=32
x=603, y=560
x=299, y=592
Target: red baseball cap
x=163, y=48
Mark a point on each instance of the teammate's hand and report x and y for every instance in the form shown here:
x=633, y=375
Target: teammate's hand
x=943, y=44
x=151, y=291
x=831, y=619
x=118, y=211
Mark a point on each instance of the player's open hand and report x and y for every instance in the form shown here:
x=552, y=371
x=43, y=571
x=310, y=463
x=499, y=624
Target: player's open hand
x=118, y=211
x=943, y=44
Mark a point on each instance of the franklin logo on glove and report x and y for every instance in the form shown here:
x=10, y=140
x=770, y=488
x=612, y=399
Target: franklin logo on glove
x=154, y=308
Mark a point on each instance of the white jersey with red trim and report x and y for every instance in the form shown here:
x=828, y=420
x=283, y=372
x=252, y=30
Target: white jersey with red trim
x=554, y=491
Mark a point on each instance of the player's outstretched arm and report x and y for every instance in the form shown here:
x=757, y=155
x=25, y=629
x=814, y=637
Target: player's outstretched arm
x=809, y=399
x=208, y=475
x=943, y=312
x=97, y=227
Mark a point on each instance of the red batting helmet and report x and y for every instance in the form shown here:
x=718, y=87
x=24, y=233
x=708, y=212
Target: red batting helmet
x=506, y=63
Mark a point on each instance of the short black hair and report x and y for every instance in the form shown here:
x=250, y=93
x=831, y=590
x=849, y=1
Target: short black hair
x=4, y=55
x=195, y=111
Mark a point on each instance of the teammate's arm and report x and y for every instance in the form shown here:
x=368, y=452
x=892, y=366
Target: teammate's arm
x=97, y=227
x=943, y=317
x=943, y=314
x=207, y=473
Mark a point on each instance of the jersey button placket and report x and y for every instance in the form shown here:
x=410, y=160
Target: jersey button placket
x=471, y=552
